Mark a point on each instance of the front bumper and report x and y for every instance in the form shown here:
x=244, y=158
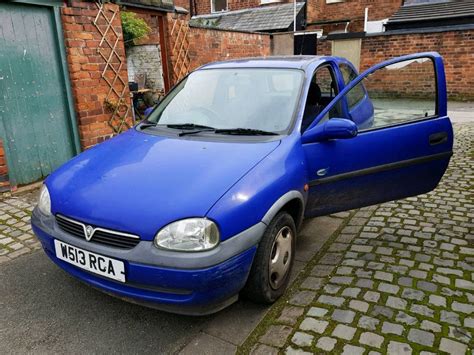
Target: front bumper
x=203, y=284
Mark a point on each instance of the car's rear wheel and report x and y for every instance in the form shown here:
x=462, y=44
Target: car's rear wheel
x=271, y=268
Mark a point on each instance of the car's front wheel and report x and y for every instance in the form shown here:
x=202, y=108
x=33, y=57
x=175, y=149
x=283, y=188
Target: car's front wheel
x=270, y=272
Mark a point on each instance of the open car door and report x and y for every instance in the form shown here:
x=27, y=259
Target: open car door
x=386, y=136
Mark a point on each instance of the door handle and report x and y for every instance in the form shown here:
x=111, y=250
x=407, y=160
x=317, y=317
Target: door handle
x=438, y=138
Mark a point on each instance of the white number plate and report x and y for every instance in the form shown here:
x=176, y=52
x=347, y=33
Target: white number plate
x=98, y=264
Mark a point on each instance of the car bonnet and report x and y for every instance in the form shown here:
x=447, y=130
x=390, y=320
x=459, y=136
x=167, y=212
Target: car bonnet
x=138, y=183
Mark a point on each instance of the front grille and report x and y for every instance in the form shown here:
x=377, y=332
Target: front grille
x=99, y=235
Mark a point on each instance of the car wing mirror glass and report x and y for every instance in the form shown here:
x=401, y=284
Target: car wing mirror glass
x=334, y=128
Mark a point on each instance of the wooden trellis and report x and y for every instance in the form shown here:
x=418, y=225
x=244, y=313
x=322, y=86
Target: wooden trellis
x=180, y=48
x=117, y=96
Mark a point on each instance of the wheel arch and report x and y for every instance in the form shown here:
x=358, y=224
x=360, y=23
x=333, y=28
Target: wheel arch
x=291, y=202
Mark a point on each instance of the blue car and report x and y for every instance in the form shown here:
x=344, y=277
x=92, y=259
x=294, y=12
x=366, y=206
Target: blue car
x=202, y=201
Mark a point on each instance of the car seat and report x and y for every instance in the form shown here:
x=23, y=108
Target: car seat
x=313, y=107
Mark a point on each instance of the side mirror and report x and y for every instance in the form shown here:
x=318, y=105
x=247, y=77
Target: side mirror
x=334, y=128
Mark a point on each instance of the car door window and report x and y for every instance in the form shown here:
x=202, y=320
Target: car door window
x=357, y=94
x=392, y=95
x=324, y=78
x=321, y=92
x=403, y=92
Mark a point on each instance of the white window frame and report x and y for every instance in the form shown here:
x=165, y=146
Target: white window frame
x=334, y=1
x=264, y=2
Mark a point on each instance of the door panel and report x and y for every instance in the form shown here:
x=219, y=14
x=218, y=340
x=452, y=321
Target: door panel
x=35, y=119
x=402, y=153
x=377, y=166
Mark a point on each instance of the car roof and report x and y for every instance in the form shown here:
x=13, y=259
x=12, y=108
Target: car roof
x=288, y=62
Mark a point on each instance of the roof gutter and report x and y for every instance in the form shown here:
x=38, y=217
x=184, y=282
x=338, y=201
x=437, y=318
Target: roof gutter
x=146, y=7
x=328, y=22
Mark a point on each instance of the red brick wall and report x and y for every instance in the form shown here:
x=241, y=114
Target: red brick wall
x=85, y=67
x=4, y=184
x=182, y=3
x=456, y=47
x=207, y=45
x=324, y=47
x=212, y=45
x=319, y=10
x=415, y=80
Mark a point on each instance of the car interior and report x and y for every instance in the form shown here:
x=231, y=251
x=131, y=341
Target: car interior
x=266, y=103
x=322, y=91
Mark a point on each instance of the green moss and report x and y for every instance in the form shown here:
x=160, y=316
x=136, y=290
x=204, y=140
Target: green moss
x=276, y=309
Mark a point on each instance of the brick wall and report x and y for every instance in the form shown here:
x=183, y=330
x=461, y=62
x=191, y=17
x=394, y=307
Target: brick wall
x=89, y=90
x=415, y=80
x=212, y=45
x=324, y=47
x=182, y=3
x=319, y=10
x=4, y=184
x=145, y=61
x=455, y=47
x=209, y=45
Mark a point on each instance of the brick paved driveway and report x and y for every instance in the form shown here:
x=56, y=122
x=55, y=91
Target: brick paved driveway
x=397, y=279
x=16, y=236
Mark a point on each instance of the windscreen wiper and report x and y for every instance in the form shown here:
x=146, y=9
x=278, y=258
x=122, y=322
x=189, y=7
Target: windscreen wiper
x=245, y=132
x=146, y=124
x=186, y=133
x=190, y=128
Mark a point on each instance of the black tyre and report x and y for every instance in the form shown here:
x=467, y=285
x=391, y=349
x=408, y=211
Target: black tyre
x=271, y=268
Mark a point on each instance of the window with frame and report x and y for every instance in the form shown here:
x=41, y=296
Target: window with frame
x=325, y=79
x=399, y=93
x=357, y=94
x=218, y=5
x=254, y=98
x=322, y=90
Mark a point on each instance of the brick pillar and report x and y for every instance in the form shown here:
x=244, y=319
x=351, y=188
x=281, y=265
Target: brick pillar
x=82, y=39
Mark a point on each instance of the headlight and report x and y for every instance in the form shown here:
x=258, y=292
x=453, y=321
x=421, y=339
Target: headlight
x=193, y=234
x=44, y=201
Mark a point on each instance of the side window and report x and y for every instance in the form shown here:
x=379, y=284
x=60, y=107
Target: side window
x=398, y=93
x=322, y=90
x=218, y=5
x=356, y=94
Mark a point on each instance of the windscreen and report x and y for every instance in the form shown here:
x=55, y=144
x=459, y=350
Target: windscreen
x=263, y=99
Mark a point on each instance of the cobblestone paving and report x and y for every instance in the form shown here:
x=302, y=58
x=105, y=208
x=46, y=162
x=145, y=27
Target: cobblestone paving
x=16, y=236
x=397, y=279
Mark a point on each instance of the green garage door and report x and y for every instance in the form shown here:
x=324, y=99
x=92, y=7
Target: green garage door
x=35, y=115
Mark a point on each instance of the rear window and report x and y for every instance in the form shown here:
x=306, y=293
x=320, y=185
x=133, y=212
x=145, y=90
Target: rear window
x=358, y=92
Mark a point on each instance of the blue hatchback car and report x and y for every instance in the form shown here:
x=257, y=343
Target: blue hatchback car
x=202, y=201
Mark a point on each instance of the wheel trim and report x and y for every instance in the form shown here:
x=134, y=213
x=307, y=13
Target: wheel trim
x=280, y=257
